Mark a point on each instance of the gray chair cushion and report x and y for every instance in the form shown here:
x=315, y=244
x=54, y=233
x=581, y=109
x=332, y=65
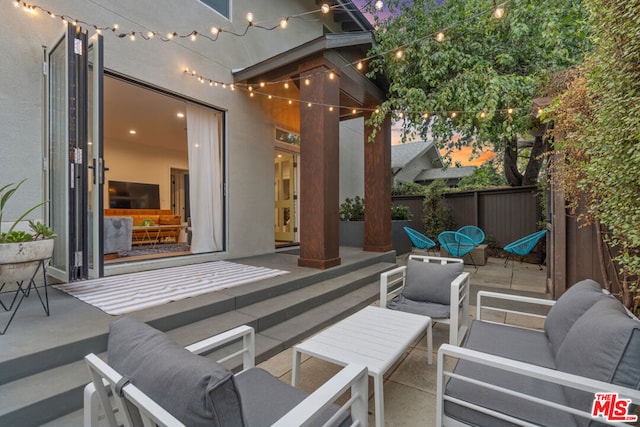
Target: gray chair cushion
x=266, y=399
x=427, y=281
x=531, y=346
x=194, y=389
x=603, y=344
x=569, y=307
x=433, y=310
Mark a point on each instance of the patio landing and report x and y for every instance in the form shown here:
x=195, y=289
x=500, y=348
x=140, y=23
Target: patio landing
x=42, y=372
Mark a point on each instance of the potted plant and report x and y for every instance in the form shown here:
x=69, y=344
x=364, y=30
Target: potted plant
x=22, y=251
x=352, y=224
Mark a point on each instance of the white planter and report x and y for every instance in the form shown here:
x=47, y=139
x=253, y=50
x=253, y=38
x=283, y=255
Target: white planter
x=19, y=261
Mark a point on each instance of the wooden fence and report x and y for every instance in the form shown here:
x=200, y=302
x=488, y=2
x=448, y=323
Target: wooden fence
x=503, y=214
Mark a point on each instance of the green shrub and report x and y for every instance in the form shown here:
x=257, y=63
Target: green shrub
x=401, y=213
x=436, y=215
x=352, y=209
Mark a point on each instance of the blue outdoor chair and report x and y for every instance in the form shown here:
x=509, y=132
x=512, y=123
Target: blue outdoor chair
x=419, y=240
x=474, y=233
x=524, y=245
x=457, y=244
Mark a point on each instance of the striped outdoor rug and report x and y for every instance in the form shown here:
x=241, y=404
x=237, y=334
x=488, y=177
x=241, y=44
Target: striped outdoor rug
x=131, y=292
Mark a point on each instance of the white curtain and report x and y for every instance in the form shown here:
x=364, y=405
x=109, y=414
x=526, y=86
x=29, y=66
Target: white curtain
x=205, y=178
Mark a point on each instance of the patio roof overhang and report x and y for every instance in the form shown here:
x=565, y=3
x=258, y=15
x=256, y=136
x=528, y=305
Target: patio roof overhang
x=337, y=51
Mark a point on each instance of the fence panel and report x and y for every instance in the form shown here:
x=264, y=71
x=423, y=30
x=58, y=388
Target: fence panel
x=504, y=214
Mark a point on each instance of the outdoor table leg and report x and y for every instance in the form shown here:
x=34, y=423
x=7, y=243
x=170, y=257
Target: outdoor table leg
x=295, y=372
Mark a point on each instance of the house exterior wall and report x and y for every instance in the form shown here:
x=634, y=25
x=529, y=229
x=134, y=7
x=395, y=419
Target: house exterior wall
x=249, y=125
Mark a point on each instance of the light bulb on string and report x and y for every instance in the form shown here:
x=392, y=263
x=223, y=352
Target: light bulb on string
x=170, y=36
x=286, y=85
x=150, y=34
x=331, y=108
x=290, y=102
x=194, y=36
x=132, y=37
x=251, y=94
x=498, y=12
x=210, y=83
x=325, y=8
x=510, y=111
x=16, y=3
x=483, y=115
x=224, y=85
x=262, y=84
x=307, y=82
x=354, y=111
x=440, y=37
x=425, y=116
x=332, y=75
x=284, y=22
x=270, y=97
x=115, y=27
x=454, y=114
x=359, y=66
x=250, y=88
x=379, y=5
x=399, y=54
x=309, y=104
x=250, y=18
x=215, y=31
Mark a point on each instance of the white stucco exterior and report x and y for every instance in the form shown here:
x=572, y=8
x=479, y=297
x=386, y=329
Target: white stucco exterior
x=249, y=125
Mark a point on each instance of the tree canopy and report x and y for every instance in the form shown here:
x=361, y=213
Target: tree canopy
x=475, y=87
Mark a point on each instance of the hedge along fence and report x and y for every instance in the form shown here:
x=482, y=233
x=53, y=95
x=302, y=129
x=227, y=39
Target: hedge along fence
x=505, y=214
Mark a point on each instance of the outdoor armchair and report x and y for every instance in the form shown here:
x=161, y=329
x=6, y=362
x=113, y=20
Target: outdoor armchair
x=419, y=240
x=524, y=245
x=430, y=286
x=474, y=233
x=457, y=244
x=150, y=380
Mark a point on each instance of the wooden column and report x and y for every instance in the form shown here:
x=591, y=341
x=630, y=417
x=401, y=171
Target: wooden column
x=319, y=164
x=377, y=188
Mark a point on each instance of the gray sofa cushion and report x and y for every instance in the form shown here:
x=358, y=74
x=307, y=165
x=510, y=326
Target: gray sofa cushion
x=427, y=281
x=531, y=347
x=569, y=307
x=603, y=344
x=520, y=344
x=194, y=389
x=433, y=310
x=266, y=399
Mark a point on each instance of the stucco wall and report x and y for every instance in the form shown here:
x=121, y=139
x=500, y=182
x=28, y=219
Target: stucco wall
x=249, y=129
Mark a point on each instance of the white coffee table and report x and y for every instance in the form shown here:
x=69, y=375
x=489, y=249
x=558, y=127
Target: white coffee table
x=375, y=337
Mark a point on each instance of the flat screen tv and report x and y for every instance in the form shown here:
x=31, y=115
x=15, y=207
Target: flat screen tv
x=134, y=195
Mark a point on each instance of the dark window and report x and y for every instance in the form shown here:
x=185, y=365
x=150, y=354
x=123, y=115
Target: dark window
x=221, y=6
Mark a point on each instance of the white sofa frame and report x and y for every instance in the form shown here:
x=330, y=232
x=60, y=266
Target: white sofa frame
x=136, y=405
x=392, y=283
x=516, y=367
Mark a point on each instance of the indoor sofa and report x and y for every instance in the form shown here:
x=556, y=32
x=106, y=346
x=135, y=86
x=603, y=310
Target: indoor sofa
x=151, y=217
x=507, y=375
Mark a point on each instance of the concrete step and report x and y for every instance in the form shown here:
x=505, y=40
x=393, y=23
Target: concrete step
x=280, y=322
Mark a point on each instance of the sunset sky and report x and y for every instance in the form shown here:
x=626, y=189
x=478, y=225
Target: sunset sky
x=462, y=156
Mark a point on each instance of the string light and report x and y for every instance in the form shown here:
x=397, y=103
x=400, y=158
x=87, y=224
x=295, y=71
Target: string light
x=498, y=11
x=360, y=65
x=332, y=75
x=379, y=5
x=440, y=37
x=510, y=111
x=250, y=17
x=262, y=84
x=483, y=114
x=132, y=37
x=215, y=31
x=286, y=85
x=194, y=36
x=307, y=82
x=399, y=53
x=454, y=114
x=331, y=108
x=284, y=22
x=325, y=8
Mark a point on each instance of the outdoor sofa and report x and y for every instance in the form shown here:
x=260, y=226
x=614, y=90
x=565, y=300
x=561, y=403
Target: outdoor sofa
x=150, y=380
x=507, y=375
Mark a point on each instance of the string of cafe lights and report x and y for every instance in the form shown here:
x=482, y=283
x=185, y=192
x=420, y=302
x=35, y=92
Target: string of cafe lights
x=497, y=11
x=193, y=35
